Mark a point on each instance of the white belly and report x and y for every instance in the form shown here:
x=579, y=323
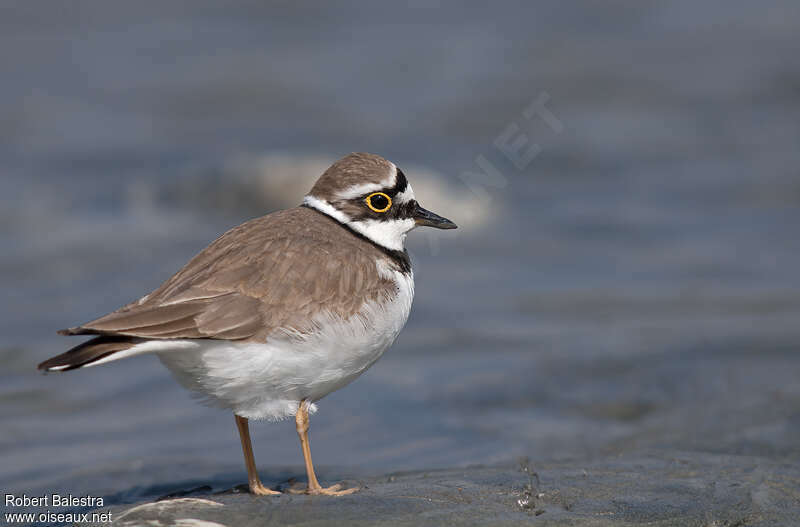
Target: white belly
x=268, y=380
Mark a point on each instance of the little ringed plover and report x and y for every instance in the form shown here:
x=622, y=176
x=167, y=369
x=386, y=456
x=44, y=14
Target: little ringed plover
x=283, y=309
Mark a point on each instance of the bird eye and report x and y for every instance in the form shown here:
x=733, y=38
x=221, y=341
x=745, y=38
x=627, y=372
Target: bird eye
x=379, y=202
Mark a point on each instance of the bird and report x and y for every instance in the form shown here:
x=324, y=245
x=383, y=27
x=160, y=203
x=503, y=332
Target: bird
x=281, y=310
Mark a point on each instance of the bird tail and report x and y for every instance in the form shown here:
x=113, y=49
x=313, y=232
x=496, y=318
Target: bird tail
x=89, y=353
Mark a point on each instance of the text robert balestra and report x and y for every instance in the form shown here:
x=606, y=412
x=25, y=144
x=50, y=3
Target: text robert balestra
x=53, y=500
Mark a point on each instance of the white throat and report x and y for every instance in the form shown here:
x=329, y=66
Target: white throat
x=390, y=234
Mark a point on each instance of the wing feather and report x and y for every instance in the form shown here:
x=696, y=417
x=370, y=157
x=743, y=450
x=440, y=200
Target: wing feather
x=277, y=271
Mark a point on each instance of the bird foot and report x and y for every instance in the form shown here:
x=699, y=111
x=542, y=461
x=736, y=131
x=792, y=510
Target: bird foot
x=333, y=490
x=260, y=490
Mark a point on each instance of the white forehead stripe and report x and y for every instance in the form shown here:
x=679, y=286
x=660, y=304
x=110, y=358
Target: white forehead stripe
x=405, y=196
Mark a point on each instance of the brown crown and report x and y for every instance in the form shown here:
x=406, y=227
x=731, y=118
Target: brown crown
x=357, y=168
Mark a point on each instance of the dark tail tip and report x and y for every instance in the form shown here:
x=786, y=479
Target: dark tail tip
x=56, y=364
x=74, y=331
x=87, y=352
x=68, y=360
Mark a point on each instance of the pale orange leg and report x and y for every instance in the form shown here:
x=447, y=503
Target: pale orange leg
x=301, y=420
x=250, y=462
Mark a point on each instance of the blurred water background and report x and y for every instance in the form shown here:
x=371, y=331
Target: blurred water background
x=634, y=287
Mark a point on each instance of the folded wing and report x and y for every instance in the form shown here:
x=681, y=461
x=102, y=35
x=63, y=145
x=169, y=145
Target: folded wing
x=253, y=279
x=230, y=315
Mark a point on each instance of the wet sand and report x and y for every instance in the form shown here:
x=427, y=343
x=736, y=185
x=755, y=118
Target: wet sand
x=643, y=488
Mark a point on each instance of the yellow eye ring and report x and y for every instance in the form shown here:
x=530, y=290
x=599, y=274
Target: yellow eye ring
x=385, y=206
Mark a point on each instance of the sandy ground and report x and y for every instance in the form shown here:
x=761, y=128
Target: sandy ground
x=682, y=489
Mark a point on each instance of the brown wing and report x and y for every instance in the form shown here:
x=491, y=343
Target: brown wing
x=277, y=271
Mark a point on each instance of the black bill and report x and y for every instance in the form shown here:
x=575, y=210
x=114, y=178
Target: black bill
x=429, y=219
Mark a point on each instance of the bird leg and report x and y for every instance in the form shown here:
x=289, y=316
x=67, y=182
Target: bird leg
x=301, y=421
x=256, y=486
